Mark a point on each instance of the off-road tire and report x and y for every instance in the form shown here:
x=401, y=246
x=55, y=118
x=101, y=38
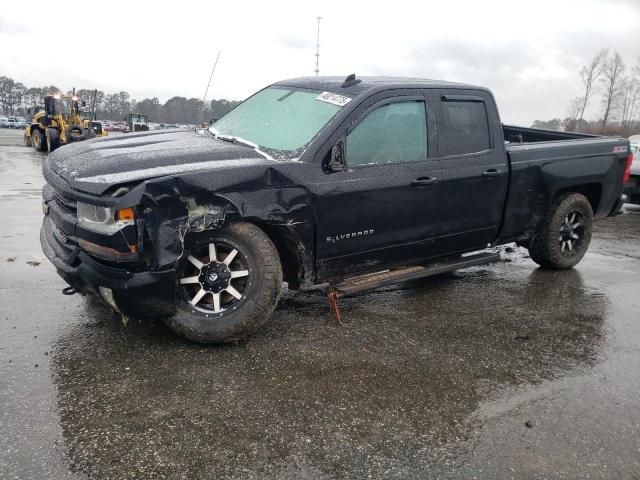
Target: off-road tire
x=546, y=247
x=53, y=139
x=262, y=290
x=76, y=133
x=26, y=140
x=39, y=140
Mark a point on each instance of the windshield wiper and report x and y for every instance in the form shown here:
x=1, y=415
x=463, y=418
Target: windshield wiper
x=239, y=141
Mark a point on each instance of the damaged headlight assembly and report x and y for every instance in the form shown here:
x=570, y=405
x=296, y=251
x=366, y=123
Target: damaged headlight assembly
x=105, y=221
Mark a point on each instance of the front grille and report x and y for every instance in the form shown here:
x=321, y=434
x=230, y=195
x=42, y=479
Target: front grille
x=66, y=203
x=62, y=212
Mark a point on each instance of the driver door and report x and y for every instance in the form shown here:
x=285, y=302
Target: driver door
x=383, y=208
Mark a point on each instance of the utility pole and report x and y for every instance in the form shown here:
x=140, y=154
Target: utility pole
x=317, y=70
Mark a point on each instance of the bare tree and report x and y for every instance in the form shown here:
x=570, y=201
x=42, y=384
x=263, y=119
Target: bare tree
x=572, y=123
x=589, y=74
x=612, y=71
x=629, y=98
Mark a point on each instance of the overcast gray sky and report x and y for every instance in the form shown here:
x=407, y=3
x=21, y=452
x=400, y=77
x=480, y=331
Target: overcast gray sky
x=528, y=52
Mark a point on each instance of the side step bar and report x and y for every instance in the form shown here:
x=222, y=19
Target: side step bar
x=392, y=277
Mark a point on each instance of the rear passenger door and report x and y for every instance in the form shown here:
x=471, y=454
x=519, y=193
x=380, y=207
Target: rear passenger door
x=474, y=167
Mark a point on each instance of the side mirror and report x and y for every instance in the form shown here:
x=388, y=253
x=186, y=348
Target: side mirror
x=337, y=161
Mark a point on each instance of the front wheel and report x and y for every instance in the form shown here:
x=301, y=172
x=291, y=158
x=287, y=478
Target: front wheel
x=53, y=139
x=39, y=141
x=564, y=236
x=228, y=284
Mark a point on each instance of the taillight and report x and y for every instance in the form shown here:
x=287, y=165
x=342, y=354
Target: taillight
x=627, y=169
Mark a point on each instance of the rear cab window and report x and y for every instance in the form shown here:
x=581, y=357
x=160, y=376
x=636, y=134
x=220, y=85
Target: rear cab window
x=463, y=126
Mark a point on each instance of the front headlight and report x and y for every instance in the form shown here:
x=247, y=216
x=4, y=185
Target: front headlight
x=104, y=220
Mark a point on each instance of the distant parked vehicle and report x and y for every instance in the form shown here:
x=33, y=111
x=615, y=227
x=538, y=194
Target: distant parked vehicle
x=632, y=188
x=120, y=126
x=98, y=127
x=21, y=123
x=12, y=122
x=137, y=122
x=4, y=122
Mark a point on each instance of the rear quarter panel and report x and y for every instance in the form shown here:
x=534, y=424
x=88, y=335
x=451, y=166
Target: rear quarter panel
x=539, y=171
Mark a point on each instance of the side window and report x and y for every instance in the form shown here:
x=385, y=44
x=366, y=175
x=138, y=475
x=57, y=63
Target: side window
x=464, y=127
x=396, y=132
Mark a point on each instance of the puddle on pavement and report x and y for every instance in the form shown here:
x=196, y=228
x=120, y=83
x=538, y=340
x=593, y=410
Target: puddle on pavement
x=404, y=375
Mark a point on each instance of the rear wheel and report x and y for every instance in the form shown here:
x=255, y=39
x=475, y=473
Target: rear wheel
x=228, y=284
x=26, y=139
x=565, y=233
x=38, y=140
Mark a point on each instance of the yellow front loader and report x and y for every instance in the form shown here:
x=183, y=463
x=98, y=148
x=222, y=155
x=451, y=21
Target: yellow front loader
x=59, y=124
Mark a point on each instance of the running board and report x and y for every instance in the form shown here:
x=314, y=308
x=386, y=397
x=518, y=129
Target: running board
x=391, y=277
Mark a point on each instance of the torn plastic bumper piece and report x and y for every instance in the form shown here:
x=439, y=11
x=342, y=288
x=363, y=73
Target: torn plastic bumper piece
x=137, y=294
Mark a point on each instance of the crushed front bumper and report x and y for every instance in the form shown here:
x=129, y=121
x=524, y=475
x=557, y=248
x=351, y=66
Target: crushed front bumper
x=136, y=294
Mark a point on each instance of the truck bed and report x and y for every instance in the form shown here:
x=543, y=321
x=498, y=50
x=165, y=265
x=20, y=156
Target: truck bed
x=543, y=158
x=513, y=134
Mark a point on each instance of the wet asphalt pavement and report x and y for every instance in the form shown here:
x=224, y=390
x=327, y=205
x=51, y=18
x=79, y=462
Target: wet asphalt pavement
x=504, y=371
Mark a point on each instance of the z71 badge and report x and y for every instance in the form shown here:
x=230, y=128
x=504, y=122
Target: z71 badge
x=347, y=236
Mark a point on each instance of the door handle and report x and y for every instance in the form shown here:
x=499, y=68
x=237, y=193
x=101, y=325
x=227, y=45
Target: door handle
x=492, y=173
x=424, y=181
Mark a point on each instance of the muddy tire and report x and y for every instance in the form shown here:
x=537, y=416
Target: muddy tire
x=564, y=236
x=39, y=140
x=227, y=285
x=76, y=134
x=26, y=140
x=53, y=139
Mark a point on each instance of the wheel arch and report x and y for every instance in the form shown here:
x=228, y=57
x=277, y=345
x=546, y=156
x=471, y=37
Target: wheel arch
x=290, y=238
x=592, y=191
x=171, y=215
x=297, y=266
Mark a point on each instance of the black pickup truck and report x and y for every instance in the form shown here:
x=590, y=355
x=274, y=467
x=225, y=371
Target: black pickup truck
x=356, y=183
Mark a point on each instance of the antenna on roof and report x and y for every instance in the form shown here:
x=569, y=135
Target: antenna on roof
x=317, y=70
x=210, y=77
x=350, y=81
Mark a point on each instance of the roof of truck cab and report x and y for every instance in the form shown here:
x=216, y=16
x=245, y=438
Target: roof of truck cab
x=366, y=84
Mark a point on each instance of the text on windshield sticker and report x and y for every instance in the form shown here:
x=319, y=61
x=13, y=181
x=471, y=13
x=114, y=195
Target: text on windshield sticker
x=333, y=98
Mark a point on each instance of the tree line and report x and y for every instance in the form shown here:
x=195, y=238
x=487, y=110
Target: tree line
x=608, y=82
x=17, y=99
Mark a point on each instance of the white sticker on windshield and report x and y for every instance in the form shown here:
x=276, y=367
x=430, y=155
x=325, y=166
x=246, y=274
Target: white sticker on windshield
x=334, y=98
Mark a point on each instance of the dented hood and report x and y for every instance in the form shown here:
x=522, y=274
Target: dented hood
x=95, y=166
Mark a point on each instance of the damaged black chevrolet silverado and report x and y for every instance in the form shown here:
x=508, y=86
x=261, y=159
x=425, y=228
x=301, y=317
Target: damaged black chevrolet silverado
x=356, y=183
